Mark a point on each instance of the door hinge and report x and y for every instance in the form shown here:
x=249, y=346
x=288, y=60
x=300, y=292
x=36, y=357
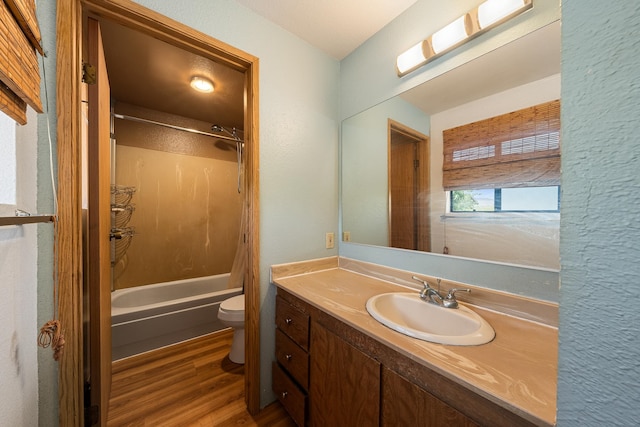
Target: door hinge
x=416, y=164
x=88, y=73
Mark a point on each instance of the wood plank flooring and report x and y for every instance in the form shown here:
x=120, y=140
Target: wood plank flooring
x=188, y=384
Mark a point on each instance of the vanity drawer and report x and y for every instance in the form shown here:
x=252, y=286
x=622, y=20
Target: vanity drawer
x=289, y=394
x=292, y=358
x=292, y=322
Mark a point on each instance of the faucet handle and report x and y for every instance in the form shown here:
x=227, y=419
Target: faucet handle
x=452, y=292
x=450, y=300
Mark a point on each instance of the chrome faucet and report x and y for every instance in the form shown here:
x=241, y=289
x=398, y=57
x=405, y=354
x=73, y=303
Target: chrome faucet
x=429, y=294
x=433, y=296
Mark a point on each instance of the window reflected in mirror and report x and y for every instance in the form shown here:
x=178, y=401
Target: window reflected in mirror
x=495, y=194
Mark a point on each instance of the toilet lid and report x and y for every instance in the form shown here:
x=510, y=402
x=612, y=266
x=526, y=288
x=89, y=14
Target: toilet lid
x=233, y=304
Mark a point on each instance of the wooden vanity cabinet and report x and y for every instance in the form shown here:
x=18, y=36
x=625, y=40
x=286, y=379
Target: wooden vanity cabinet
x=330, y=374
x=406, y=404
x=344, y=387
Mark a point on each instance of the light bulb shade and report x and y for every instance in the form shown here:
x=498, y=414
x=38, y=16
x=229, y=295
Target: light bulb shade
x=492, y=11
x=489, y=14
x=450, y=35
x=202, y=84
x=411, y=58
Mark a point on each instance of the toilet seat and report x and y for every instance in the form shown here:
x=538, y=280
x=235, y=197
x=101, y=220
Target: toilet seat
x=232, y=309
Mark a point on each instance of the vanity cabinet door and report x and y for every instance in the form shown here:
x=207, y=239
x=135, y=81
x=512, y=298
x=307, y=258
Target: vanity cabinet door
x=406, y=404
x=344, y=385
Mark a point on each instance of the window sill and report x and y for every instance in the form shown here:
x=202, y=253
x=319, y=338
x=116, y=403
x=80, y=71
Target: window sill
x=502, y=217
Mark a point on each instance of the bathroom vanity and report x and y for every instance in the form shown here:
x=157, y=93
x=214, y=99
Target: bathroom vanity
x=336, y=365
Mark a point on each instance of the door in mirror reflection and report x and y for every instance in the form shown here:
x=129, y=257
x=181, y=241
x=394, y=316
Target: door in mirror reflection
x=408, y=220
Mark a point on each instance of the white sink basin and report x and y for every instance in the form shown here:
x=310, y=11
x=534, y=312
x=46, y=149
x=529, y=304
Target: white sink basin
x=409, y=315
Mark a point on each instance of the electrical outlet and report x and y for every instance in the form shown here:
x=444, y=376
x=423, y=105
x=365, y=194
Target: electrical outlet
x=346, y=236
x=329, y=243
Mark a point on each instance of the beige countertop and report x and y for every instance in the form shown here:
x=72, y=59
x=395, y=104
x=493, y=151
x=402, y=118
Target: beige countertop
x=517, y=370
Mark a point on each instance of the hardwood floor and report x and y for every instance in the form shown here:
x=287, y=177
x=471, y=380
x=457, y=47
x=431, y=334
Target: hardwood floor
x=187, y=384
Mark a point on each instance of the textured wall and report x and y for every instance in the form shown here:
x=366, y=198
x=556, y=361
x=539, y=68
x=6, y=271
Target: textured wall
x=600, y=295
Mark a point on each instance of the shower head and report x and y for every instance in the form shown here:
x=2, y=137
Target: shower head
x=233, y=133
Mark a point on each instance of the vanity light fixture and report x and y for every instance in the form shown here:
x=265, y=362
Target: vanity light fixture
x=489, y=14
x=492, y=11
x=412, y=58
x=450, y=35
x=202, y=84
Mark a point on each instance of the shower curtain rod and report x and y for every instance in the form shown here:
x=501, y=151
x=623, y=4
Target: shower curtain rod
x=153, y=122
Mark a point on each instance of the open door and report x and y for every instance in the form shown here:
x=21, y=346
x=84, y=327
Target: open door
x=408, y=186
x=98, y=229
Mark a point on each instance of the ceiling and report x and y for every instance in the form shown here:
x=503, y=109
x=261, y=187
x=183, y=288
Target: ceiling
x=337, y=27
x=150, y=73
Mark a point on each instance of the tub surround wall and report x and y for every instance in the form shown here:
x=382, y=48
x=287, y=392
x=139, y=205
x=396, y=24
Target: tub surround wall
x=523, y=352
x=187, y=207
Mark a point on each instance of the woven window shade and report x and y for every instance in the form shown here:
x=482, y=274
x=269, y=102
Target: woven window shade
x=518, y=149
x=19, y=72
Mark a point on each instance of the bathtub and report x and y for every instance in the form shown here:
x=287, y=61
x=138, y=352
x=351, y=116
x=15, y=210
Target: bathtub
x=152, y=316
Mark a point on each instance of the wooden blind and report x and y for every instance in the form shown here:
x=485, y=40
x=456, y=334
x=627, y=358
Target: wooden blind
x=518, y=149
x=19, y=72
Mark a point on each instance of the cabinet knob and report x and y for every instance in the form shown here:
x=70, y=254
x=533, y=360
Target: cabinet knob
x=284, y=394
x=288, y=357
x=288, y=320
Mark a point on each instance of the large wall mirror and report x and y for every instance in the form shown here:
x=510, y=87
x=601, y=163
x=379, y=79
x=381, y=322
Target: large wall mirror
x=393, y=193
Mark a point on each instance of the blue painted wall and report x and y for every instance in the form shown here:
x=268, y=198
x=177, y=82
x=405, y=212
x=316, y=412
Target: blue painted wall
x=599, y=374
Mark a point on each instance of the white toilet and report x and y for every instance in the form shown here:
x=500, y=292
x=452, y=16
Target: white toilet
x=231, y=314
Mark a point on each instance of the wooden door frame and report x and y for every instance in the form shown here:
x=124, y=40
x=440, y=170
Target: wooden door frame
x=68, y=246
x=423, y=186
